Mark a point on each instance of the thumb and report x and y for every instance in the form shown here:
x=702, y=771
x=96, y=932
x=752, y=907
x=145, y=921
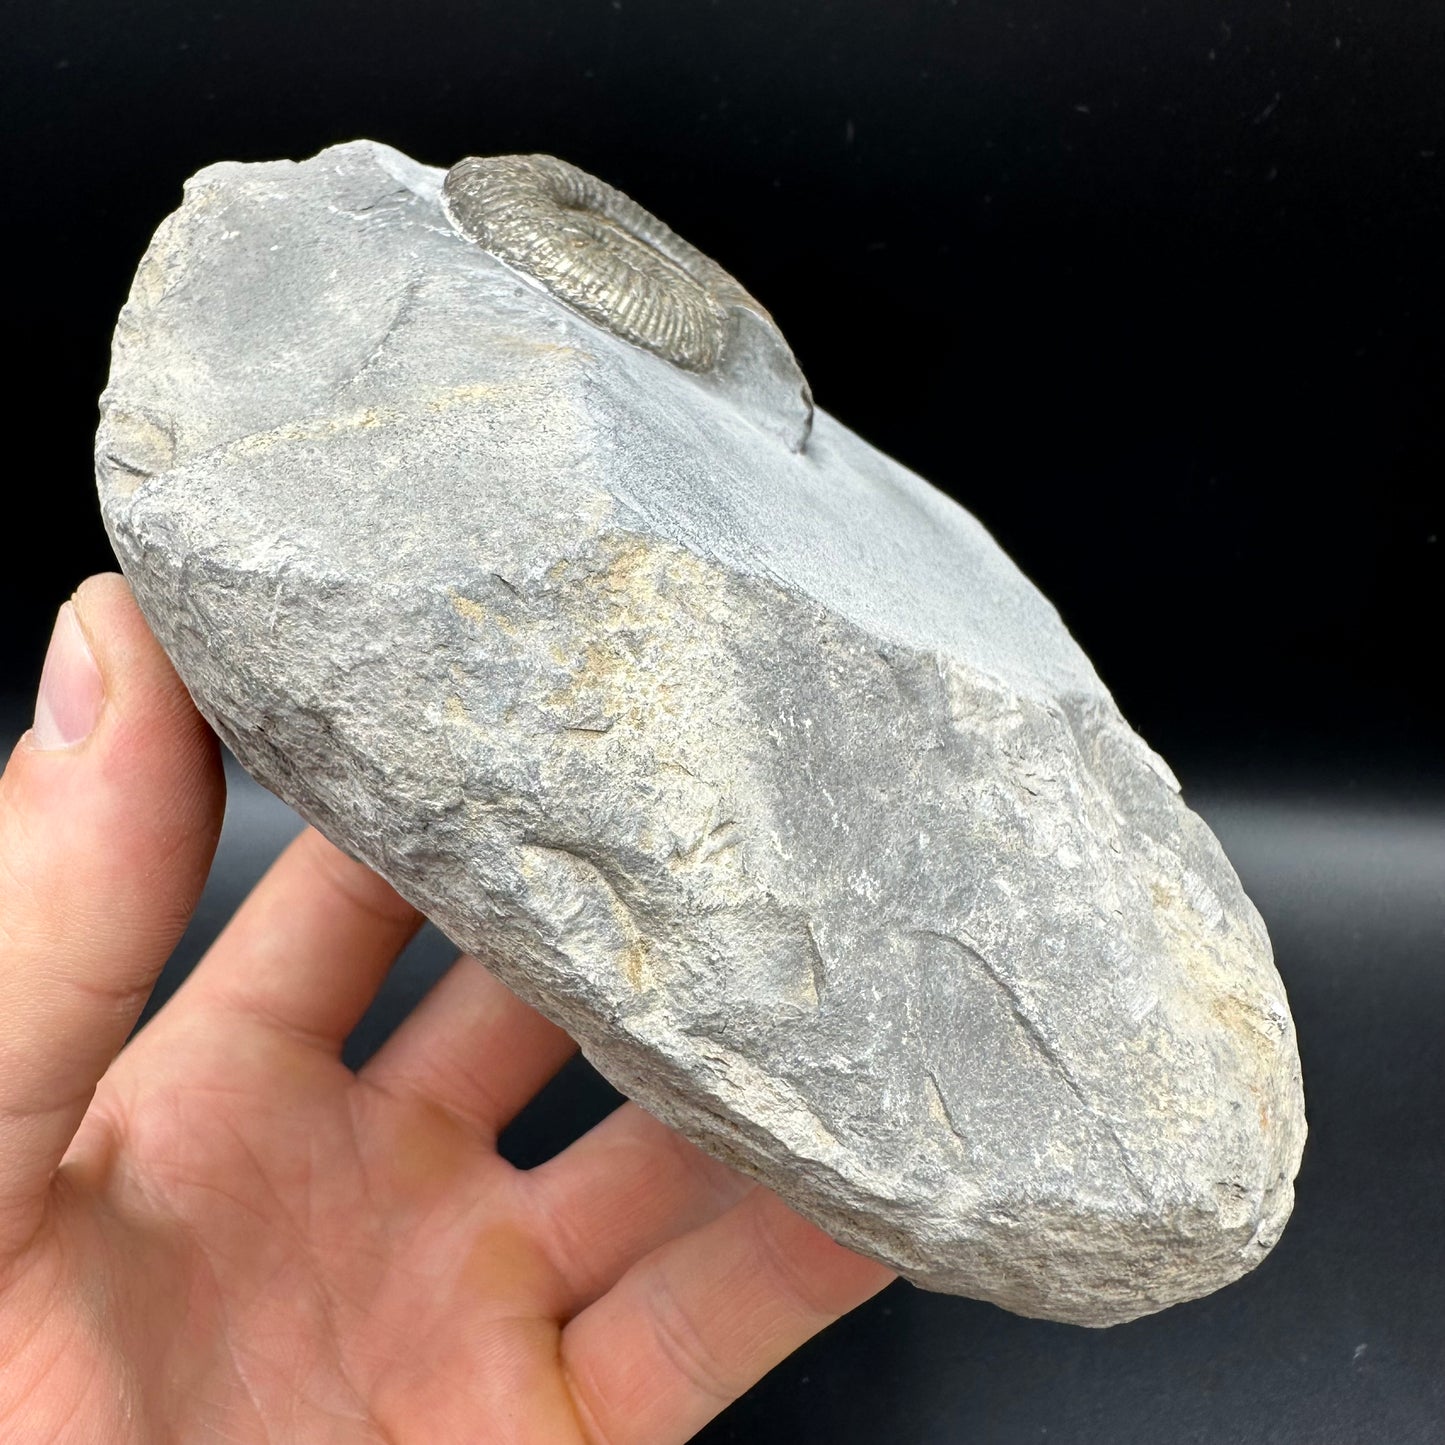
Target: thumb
x=110, y=808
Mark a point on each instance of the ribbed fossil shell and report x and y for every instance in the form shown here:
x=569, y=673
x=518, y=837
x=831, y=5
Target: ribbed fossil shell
x=600, y=253
x=595, y=249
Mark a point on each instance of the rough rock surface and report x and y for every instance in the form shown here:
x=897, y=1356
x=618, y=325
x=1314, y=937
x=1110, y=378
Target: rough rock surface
x=764, y=772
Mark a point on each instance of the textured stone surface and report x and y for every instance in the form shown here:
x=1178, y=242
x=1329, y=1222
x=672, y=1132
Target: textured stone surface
x=764, y=772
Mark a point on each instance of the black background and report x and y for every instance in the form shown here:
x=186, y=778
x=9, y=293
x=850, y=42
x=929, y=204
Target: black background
x=1156, y=291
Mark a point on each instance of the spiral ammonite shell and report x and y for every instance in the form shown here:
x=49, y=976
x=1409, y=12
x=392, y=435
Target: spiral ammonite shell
x=597, y=250
x=600, y=253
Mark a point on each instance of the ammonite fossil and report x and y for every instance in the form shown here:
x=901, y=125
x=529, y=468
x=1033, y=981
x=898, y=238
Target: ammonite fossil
x=599, y=252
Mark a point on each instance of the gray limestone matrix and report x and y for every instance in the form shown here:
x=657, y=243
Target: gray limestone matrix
x=493, y=528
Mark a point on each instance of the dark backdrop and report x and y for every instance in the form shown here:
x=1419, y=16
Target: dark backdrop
x=1155, y=290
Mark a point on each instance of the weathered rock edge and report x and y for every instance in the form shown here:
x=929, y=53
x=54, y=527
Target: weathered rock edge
x=827, y=845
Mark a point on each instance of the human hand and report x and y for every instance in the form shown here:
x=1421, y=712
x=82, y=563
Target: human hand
x=223, y=1233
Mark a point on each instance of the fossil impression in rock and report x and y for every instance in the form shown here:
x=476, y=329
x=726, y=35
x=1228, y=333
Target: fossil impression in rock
x=492, y=526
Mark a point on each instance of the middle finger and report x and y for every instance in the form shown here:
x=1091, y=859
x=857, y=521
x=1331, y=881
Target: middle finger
x=473, y=1048
x=625, y=1187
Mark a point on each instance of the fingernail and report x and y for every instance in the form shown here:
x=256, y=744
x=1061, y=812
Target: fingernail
x=71, y=687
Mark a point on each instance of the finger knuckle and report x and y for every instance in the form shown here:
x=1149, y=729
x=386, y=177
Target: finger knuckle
x=683, y=1344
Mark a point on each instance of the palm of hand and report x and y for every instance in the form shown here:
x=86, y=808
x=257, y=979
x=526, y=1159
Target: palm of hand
x=359, y=1264
x=248, y=1241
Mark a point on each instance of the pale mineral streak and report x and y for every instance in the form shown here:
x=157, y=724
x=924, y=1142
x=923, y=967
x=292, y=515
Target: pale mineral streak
x=761, y=770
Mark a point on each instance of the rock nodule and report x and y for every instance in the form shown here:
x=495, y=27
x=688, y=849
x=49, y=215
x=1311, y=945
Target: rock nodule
x=729, y=743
